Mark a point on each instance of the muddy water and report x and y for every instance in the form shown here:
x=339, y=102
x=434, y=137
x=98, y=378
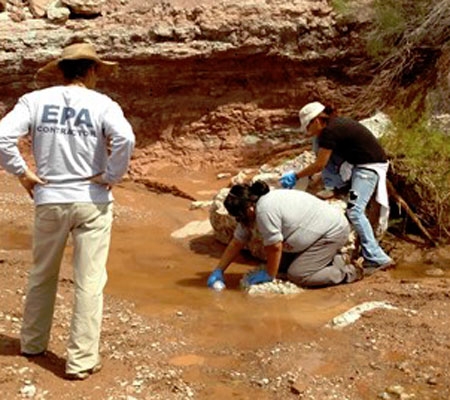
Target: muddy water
x=165, y=276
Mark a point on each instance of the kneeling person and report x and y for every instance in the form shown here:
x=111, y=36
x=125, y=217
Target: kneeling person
x=300, y=232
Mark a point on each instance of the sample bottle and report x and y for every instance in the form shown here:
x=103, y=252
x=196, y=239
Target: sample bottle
x=218, y=286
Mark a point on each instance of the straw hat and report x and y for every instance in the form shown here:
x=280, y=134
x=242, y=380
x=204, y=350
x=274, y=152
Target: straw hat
x=308, y=113
x=79, y=51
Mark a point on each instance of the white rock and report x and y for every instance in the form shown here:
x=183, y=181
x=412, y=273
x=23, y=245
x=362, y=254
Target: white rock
x=378, y=124
x=195, y=205
x=223, y=175
x=355, y=313
x=28, y=391
x=277, y=286
x=57, y=12
x=84, y=7
x=193, y=228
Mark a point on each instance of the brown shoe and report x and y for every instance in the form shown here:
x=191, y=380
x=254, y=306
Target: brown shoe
x=82, y=375
x=370, y=268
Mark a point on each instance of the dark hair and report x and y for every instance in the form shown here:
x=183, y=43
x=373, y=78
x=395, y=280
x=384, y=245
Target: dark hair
x=326, y=114
x=243, y=196
x=73, y=69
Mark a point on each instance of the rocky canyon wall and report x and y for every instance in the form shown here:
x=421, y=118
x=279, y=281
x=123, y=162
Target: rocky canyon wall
x=196, y=78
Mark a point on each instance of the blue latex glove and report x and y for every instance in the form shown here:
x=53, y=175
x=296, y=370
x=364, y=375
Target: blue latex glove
x=255, y=277
x=288, y=180
x=216, y=275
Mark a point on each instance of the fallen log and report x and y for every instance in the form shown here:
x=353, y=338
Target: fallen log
x=159, y=187
x=403, y=204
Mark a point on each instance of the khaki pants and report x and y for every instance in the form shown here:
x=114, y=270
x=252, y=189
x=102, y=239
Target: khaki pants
x=90, y=226
x=320, y=265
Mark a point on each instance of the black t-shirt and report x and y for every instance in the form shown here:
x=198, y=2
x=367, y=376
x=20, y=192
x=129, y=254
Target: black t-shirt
x=352, y=141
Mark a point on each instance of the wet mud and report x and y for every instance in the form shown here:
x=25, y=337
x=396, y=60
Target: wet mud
x=165, y=278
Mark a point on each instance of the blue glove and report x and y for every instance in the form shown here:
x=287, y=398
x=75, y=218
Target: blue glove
x=255, y=277
x=288, y=180
x=216, y=275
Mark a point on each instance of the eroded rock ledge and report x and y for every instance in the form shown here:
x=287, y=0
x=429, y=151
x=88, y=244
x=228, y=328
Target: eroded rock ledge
x=197, y=79
x=200, y=80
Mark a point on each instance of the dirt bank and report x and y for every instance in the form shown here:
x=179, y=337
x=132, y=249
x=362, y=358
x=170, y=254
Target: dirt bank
x=166, y=336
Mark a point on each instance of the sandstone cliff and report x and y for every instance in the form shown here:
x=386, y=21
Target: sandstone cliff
x=199, y=77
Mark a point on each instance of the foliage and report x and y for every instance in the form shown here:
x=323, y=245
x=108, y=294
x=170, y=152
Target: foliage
x=424, y=153
x=393, y=20
x=406, y=38
x=426, y=150
x=342, y=7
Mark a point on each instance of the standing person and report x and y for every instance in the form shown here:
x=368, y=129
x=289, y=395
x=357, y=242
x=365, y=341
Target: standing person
x=355, y=144
x=301, y=234
x=71, y=128
x=336, y=174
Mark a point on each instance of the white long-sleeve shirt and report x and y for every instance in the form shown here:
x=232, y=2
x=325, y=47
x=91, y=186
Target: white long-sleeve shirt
x=71, y=129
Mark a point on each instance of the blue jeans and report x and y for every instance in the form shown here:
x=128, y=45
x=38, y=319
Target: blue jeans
x=330, y=174
x=364, y=183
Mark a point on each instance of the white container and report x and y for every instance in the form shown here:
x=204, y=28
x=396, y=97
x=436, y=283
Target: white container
x=218, y=286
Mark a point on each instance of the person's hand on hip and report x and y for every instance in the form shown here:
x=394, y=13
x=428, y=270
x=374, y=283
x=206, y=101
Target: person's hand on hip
x=28, y=179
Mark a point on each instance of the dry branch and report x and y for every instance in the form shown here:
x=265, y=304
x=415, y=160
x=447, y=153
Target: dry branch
x=159, y=187
x=417, y=45
x=403, y=204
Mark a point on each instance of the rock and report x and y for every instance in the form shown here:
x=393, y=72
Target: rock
x=84, y=7
x=193, y=228
x=28, y=390
x=298, y=388
x=39, y=7
x=352, y=315
x=2, y=5
x=434, y=272
x=378, y=124
x=195, y=205
x=16, y=12
x=57, y=12
x=395, y=389
x=224, y=225
x=275, y=287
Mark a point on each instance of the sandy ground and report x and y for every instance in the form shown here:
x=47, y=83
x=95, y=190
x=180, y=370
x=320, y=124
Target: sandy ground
x=166, y=336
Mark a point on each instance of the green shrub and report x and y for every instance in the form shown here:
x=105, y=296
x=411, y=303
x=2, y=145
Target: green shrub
x=426, y=150
x=392, y=20
x=342, y=7
x=420, y=157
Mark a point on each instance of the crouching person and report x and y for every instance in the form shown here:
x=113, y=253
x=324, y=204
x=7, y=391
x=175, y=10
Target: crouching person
x=302, y=235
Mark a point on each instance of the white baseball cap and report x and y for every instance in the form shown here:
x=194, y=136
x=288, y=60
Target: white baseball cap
x=308, y=113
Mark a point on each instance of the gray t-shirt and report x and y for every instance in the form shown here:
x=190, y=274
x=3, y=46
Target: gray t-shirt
x=296, y=218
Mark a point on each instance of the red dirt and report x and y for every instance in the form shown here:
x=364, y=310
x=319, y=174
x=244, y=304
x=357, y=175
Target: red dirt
x=166, y=336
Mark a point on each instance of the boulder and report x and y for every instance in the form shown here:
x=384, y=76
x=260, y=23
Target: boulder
x=39, y=7
x=379, y=124
x=224, y=225
x=57, y=12
x=84, y=7
x=2, y=5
